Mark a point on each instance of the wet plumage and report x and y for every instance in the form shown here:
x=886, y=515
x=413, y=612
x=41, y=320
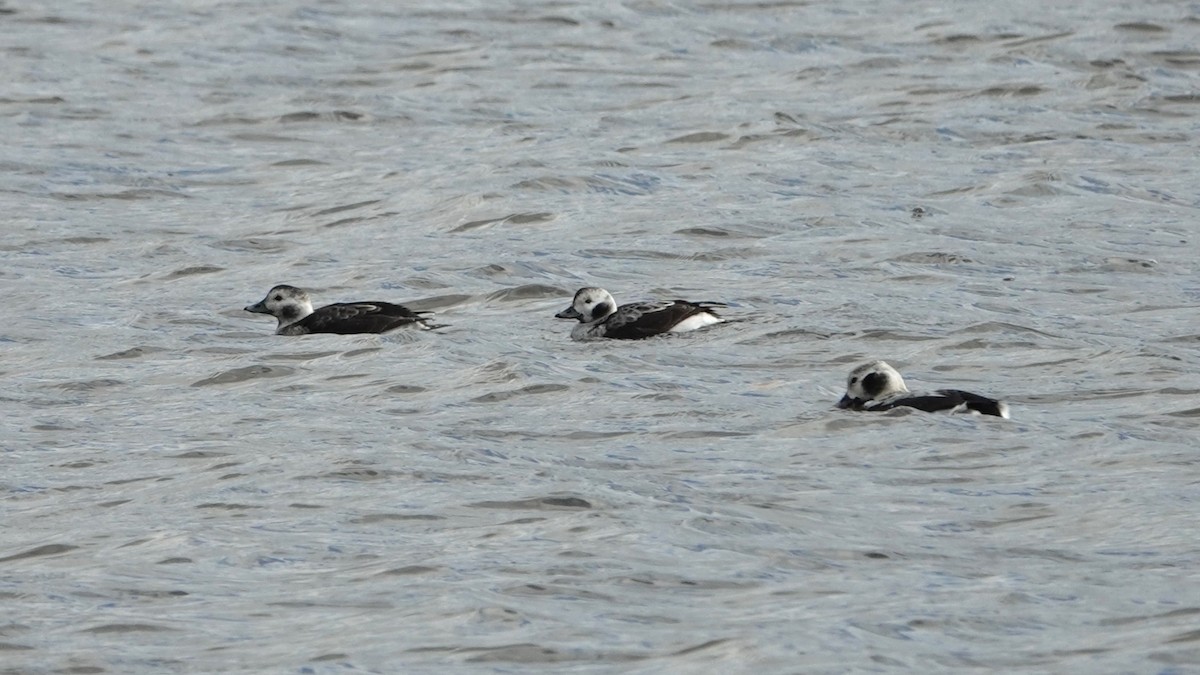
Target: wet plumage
x=878, y=386
x=293, y=309
x=599, y=316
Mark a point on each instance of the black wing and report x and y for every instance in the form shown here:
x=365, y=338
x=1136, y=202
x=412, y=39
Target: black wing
x=643, y=320
x=345, y=318
x=980, y=404
x=948, y=399
x=928, y=403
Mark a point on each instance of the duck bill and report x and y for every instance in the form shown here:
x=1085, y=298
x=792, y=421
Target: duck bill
x=846, y=402
x=568, y=313
x=259, y=307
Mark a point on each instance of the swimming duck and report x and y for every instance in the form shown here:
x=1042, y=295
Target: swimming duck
x=294, y=310
x=878, y=386
x=600, y=317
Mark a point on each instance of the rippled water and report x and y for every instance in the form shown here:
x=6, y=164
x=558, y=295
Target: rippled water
x=994, y=196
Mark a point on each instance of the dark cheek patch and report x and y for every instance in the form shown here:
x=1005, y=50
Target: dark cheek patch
x=600, y=310
x=288, y=312
x=874, y=383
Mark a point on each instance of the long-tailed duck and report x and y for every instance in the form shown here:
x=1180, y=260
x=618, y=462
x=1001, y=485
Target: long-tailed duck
x=878, y=386
x=293, y=309
x=600, y=317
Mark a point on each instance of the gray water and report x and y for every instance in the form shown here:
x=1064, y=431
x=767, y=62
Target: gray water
x=1000, y=197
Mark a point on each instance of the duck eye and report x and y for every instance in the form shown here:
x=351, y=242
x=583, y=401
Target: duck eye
x=278, y=298
x=854, y=379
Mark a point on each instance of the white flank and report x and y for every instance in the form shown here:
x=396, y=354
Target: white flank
x=696, y=321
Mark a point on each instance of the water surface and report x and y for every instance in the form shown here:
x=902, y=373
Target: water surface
x=999, y=197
